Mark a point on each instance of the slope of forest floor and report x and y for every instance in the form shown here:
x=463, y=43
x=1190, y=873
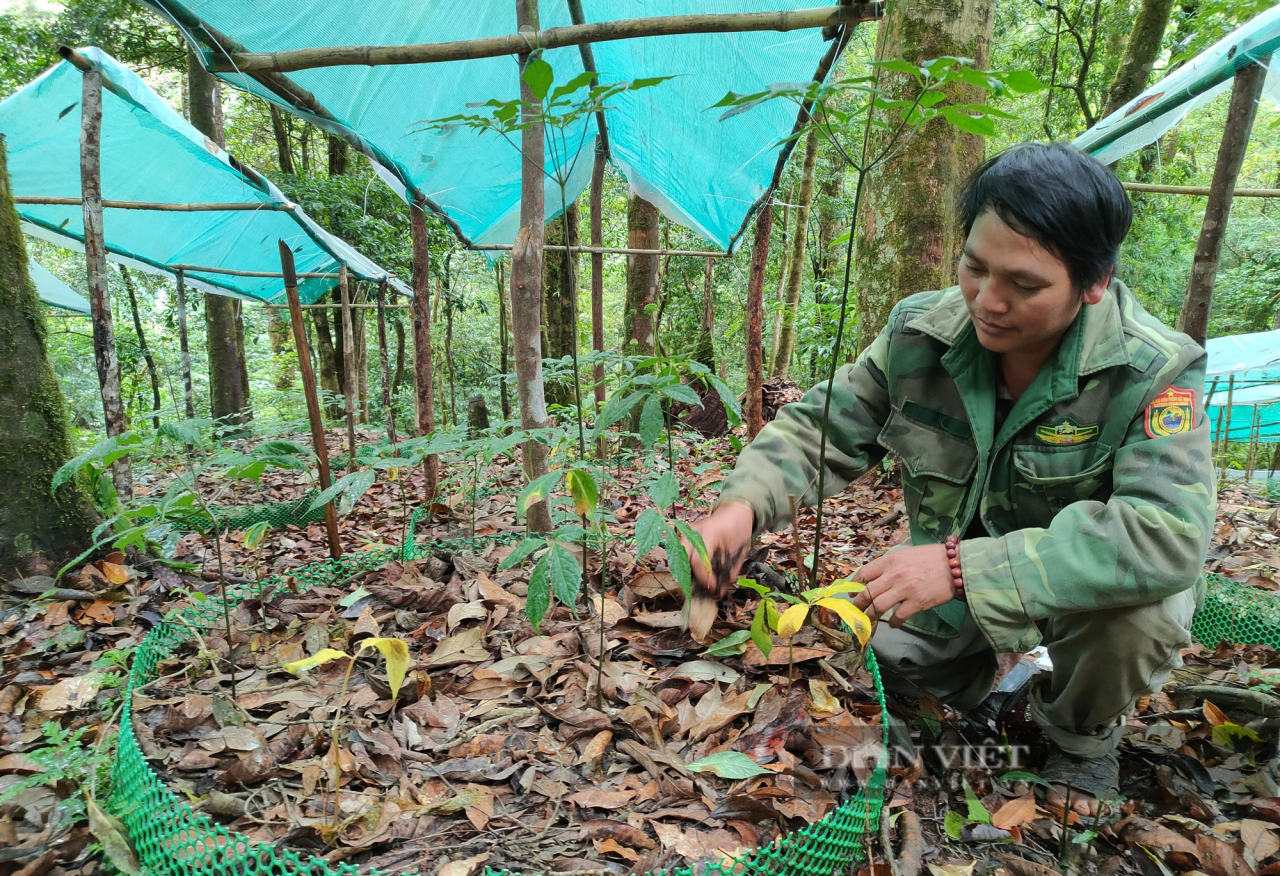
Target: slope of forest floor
x=510, y=747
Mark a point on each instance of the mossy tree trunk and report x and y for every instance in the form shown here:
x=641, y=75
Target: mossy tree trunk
x=795, y=266
x=1140, y=54
x=560, y=311
x=753, y=409
x=908, y=236
x=39, y=530
x=327, y=354
x=639, y=327
x=281, y=344
x=224, y=323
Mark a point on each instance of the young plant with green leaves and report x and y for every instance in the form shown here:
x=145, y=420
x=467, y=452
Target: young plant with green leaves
x=849, y=132
x=395, y=653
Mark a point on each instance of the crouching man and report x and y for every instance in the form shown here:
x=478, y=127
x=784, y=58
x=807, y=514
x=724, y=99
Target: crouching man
x=1055, y=463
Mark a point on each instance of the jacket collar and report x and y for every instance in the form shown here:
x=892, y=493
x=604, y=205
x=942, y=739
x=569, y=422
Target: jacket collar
x=1094, y=342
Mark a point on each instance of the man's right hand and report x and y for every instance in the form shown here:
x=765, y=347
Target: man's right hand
x=727, y=536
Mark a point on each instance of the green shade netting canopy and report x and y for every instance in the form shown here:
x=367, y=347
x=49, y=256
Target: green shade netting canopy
x=1245, y=369
x=1148, y=116
x=151, y=154
x=53, y=291
x=702, y=173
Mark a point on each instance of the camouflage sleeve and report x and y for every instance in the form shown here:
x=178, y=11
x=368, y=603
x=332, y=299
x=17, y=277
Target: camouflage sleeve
x=1148, y=541
x=782, y=461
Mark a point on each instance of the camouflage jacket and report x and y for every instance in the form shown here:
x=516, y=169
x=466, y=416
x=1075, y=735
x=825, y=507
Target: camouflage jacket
x=1098, y=488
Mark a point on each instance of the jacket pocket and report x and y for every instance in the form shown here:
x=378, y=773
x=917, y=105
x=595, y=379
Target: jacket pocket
x=1055, y=477
x=938, y=468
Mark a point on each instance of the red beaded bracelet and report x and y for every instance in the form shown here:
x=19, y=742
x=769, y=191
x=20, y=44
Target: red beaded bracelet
x=953, y=560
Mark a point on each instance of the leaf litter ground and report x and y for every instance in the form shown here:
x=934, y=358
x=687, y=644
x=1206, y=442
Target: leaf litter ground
x=498, y=753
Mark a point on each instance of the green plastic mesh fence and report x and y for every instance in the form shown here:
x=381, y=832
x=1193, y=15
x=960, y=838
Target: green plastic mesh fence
x=171, y=838
x=1239, y=614
x=279, y=515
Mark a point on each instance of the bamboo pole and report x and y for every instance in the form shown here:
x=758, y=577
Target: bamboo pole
x=231, y=272
x=551, y=38
x=1251, y=457
x=309, y=390
x=188, y=397
x=1199, y=191
x=348, y=367
x=158, y=206
x=104, y=341
x=382, y=356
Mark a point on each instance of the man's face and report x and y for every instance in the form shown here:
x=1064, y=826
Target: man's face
x=1019, y=294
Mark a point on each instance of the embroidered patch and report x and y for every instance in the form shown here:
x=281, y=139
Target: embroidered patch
x=1066, y=431
x=1172, y=412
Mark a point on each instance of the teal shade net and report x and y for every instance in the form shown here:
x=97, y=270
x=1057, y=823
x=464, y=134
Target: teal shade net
x=53, y=291
x=151, y=154
x=672, y=149
x=1148, y=116
x=1245, y=369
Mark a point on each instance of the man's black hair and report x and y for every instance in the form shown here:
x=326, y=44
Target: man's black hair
x=1068, y=202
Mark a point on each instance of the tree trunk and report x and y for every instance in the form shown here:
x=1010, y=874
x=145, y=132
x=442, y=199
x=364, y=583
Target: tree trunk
x=337, y=155
x=504, y=366
x=383, y=363
x=908, y=235
x=284, y=148
x=397, y=325
x=349, y=384
x=753, y=409
x=795, y=269
x=706, y=352
x=1196, y=304
x=33, y=415
x=423, y=387
x=526, y=281
x=188, y=396
x=597, y=272
x=278, y=335
x=642, y=278
x=228, y=374
x=104, y=341
x=782, y=284
x=362, y=362
x=142, y=347
x=477, y=416
x=327, y=353
x=560, y=310
x=447, y=294
x=1140, y=54
x=828, y=261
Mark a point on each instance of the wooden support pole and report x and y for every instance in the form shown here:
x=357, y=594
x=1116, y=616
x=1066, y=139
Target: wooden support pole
x=754, y=408
x=424, y=388
x=188, y=397
x=349, y=391
x=609, y=250
x=386, y=367
x=95, y=251
x=1199, y=191
x=159, y=206
x=352, y=307
x=309, y=390
x=551, y=38
x=1198, y=300
x=1251, y=457
x=526, y=273
x=231, y=272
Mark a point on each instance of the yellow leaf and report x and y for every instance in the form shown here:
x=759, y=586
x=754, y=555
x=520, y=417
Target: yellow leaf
x=115, y=573
x=321, y=657
x=852, y=615
x=393, y=473
x=822, y=700
x=842, y=586
x=792, y=620
x=396, y=653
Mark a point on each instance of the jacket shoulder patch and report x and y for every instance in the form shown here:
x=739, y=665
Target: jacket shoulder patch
x=1172, y=412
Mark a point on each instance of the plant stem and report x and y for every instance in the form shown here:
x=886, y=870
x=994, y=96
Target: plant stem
x=333, y=736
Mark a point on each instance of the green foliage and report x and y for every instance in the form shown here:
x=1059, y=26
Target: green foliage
x=64, y=756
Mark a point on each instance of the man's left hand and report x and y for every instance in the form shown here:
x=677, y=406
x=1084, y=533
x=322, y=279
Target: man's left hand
x=907, y=581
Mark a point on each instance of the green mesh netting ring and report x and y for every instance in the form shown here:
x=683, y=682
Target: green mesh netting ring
x=1239, y=614
x=170, y=837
